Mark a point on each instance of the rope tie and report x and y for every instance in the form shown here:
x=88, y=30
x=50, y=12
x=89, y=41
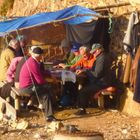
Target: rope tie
x=110, y=29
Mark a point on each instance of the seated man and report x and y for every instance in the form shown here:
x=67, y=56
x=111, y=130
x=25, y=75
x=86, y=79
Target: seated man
x=65, y=47
x=77, y=57
x=27, y=54
x=98, y=77
x=85, y=62
x=32, y=81
x=80, y=66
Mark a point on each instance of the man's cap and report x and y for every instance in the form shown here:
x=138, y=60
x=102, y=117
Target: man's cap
x=74, y=50
x=32, y=47
x=36, y=50
x=95, y=47
x=75, y=47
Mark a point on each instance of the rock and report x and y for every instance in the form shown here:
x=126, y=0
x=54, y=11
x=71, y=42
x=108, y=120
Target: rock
x=37, y=136
x=1, y=116
x=124, y=131
x=13, y=124
x=54, y=126
x=5, y=118
x=34, y=125
x=11, y=134
x=3, y=130
x=22, y=125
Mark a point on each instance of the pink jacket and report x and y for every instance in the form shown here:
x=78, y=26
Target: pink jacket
x=12, y=69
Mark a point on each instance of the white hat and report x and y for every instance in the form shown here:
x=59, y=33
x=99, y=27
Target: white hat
x=36, y=51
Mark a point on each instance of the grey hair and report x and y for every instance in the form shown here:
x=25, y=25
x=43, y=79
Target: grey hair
x=13, y=42
x=35, y=55
x=85, y=49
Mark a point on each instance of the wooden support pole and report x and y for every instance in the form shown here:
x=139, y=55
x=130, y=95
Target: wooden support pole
x=29, y=102
x=7, y=109
x=2, y=107
x=101, y=102
x=17, y=104
x=127, y=69
x=99, y=8
x=111, y=6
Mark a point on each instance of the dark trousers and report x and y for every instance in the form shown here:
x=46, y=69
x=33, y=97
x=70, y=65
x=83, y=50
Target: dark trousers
x=6, y=90
x=44, y=94
x=85, y=94
x=70, y=89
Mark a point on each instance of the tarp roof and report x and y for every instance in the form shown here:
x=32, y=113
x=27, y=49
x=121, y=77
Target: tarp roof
x=69, y=15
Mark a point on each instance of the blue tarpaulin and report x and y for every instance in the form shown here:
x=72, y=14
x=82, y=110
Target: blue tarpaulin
x=69, y=15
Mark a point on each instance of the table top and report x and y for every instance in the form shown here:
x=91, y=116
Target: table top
x=48, y=63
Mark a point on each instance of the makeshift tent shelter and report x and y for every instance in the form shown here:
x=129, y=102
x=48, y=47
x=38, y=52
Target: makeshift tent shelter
x=73, y=15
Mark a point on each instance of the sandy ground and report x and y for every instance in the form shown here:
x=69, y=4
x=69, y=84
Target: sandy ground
x=113, y=124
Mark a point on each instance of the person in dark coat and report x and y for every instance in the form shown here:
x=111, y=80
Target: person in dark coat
x=98, y=78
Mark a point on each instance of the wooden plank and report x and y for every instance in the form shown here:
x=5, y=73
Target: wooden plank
x=17, y=92
x=10, y=110
x=13, y=94
x=111, y=6
x=101, y=101
x=128, y=105
x=2, y=84
x=106, y=93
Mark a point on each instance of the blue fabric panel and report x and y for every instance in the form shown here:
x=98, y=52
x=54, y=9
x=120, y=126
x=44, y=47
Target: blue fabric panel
x=47, y=17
